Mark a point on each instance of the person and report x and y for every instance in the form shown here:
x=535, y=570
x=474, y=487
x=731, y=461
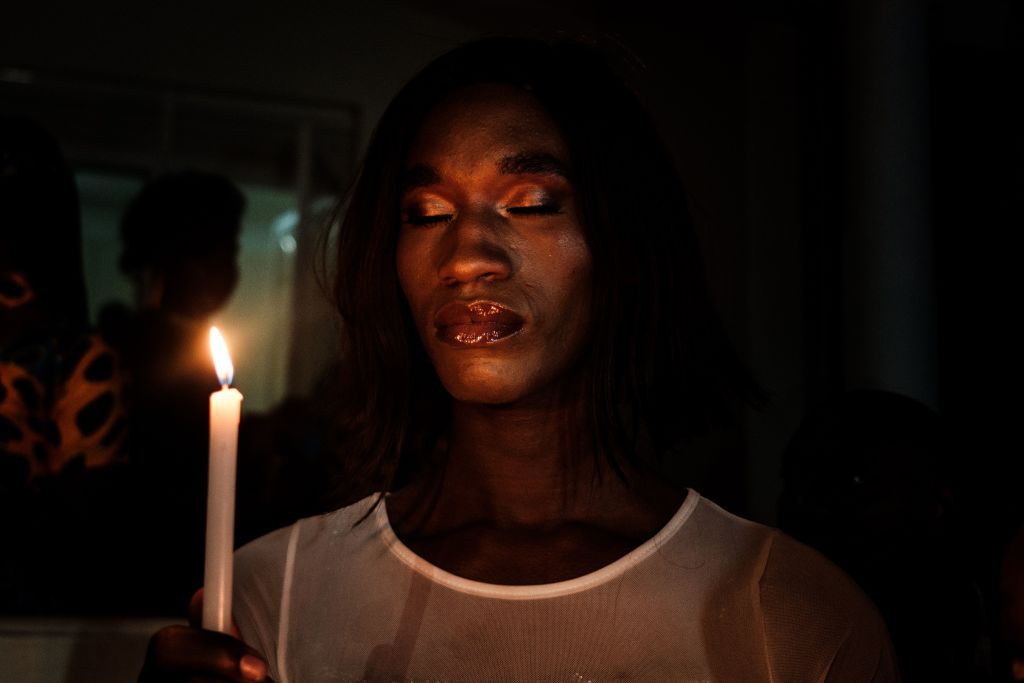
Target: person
x=62, y=407
x=532, y=348
x=1010, y=616
x=179, y=248
x=61, y=403
x=180, y=237
x=868, y=482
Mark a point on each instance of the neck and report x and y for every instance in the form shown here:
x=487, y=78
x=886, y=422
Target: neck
x=516, y=462
x=521, y=468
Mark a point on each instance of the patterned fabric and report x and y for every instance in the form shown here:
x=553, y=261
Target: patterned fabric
x=61, y=400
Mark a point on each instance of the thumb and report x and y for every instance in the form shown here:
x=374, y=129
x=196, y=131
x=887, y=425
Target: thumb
x=195, y=610
x=195, y=614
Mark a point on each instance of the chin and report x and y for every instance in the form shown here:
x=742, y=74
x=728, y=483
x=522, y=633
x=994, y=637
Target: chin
x=487, y=383
x=490, y=399
x=489, y=393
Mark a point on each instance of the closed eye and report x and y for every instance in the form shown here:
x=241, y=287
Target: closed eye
x=429, y=220
x=538, y=209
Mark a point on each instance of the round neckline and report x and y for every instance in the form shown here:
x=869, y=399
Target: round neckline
x=532, y=591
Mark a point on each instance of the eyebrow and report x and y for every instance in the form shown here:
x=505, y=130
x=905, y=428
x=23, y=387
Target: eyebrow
x=539, y=163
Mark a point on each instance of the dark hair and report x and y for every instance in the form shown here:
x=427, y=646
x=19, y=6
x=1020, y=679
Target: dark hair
x=40, y=228
x=184, y=227
x=657, y=367
x=172, y=214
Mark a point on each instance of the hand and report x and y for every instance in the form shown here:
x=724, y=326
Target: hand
x=190, y=654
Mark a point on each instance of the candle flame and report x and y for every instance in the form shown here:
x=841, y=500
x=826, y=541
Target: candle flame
x=221, y=358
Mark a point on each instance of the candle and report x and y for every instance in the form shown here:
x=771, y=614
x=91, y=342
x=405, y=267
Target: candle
x=225, y=410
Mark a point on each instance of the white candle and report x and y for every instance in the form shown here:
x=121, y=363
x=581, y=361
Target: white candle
x=225, y=410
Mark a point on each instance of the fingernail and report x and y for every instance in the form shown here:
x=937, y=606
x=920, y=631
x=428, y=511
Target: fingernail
x=252, y=668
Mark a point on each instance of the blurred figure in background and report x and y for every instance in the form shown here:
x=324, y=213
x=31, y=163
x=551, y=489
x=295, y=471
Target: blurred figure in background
x=61, y=410
x=867, y=482
x=180, y=238
x=1011, y=612
x=179, y=248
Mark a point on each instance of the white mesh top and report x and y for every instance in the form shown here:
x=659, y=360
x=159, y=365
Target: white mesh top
x=711, y=597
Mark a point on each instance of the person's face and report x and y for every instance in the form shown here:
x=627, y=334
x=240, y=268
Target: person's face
x=202, y=284
x=491, y=255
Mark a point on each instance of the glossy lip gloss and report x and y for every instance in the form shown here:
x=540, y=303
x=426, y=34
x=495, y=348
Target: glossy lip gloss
x=477, y=323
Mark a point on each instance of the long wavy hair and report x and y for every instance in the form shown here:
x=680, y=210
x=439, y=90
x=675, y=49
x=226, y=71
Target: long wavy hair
x=656, y=369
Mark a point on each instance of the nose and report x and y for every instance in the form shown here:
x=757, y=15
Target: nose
x=474, y=249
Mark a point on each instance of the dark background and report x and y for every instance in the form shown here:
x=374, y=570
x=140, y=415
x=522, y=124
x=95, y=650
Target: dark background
x=855, y=168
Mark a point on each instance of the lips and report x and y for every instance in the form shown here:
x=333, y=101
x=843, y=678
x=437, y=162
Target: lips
x=476, y=323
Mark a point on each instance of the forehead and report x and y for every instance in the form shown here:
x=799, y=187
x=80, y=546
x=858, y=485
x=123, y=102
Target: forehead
x=484, y=123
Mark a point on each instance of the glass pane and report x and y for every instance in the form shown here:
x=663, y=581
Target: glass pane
x=257, y=320
x=103, y=198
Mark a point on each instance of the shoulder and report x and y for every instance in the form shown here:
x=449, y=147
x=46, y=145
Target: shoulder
x=815, y=623
x=816, y=617
x=264, y=569
x=262, y=562
x=263, y=556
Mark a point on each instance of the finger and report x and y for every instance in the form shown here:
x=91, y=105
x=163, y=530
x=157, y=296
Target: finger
x=179, y=651
x=195, y=609
x=200, y=678
x=213, y=679
x=195, y=614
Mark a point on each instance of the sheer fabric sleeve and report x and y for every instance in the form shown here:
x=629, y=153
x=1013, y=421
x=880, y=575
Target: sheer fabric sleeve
x=818, y=625
x=259, y=578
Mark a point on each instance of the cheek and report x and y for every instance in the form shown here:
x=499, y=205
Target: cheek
x=578, y=290
x=572, y=261
x=571, y=245
x=560, y=284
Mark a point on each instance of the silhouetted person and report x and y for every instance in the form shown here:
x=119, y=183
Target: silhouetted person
x=61, y=415
x=1011, y=610
x=867, y=483
x=179, y=247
